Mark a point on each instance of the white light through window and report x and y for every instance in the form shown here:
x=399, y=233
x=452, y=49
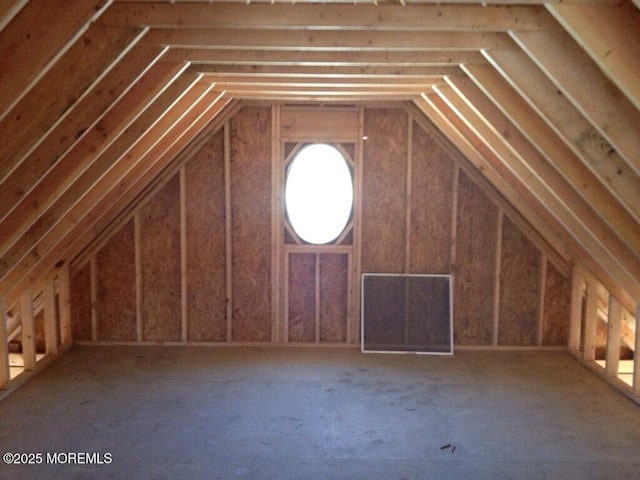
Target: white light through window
x=318, y=193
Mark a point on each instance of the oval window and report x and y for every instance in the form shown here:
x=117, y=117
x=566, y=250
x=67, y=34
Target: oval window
x=318, y=193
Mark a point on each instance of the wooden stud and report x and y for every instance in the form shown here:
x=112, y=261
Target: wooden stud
x=590, y=323
x=184, y=324
x=50, y=318
x=497, y=277
x=64, y=302
x=138, y=260
x=614, y=329
x=636, y=356
x=454, y=221
x=408, y=185
x=541, y=299
x=286, y=296
x=317, y=298
x=28, y=331
x=277, y=242
x=93, y=279
x=575, y=321
x=4, y=348
x=228, y=227
x=354, y=327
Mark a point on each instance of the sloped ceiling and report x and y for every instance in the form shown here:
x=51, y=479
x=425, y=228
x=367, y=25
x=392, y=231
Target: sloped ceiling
x=96, y=96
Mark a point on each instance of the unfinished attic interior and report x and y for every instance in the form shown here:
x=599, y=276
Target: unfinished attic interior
x=146, y=150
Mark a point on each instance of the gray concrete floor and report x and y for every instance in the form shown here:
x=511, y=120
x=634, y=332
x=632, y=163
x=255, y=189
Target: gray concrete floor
x=267, y=413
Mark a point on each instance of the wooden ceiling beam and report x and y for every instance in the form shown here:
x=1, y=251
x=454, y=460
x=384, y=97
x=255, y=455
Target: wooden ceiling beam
x=553, y=192
x=328, y=16
x=88, y=110
x=59, y=90
x=326, y=40
x=382, y=72
x=335, y=59
x=35, y=38
x=549, y=102
x=42, y=252
x=590, y=91
x=568, y=164
x=46, y=203
x=610, y=34
x=481, y=170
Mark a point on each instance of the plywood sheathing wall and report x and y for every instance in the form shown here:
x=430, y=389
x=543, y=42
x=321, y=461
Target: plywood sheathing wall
x=421, y=213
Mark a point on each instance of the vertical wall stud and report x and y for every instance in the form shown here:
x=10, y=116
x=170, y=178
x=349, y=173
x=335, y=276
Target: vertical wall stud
x=454, y=222
x=4, y=348
x=277, y=225
x=542, y=294
x=407, y=200
x=497, y=277
x=138, y=261
x=636, y=356
x=317, y=299
x=184, y=324
x=50, y=326
x=354, y=320
x=28, y=332
x=93, y=282
x=575, y=320
x=590, y=324
x=614, y=329
x=64, y=297
x=228, y=226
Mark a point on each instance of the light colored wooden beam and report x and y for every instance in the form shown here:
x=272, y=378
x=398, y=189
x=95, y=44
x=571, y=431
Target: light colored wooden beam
x=570, y=125
x=222, y=80
x=4, y=348
x=575, y=319
x=362, y=61
x=49, y=223
x=338, y=16
x=610, y=34
x=64, y=305
x=89, y=58
x=51, y=333
x=636, y=356
x=568, y=164
x=28, y=331
x=590, y=323
x=590, y=91
x=38, y=33
x=68, y=133
x=614, y=330
x=475, y=165
x=305, y=40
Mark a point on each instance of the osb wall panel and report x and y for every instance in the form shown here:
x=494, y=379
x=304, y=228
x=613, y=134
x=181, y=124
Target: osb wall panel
x=476, y=227
x=116, y=288
x=557, y=308
x=80, y=299
x=384, y=190
x=251, y=224
x=519, y=288
x=160, y=264
x=302, y=299
x=431, y=204
x=206, y=244
x=333, y=297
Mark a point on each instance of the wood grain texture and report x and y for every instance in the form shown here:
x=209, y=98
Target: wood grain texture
x=116, y=292
x=431, y=203
x=206, y=249
x=251, y=224
x=557, y=308
x=38, y=332
x=384, y=190
x=476, y=226
x=302, y=302
x=334, y=271
x=80, y=299
x=160, y=262
x=519, y=288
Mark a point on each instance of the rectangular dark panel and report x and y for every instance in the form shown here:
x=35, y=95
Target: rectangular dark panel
x=407, y=313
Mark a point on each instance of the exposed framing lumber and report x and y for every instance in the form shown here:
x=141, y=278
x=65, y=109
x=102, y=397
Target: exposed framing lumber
x=31, y=42
x=28, y=331
x=590, y=91
x=614, y=329
x=635, y=390
x=497, y=279
x=51, y=334
x=338, y=16
x=277, y=224
x=37, y=178
x=590, y=322
x=568, y=164
x=138, y=259
x=93, y=281
x=542, y=282
x=534, y=86
x=597, y=29
x=407, y=200
x=326, y=40
x=64, y=304
x=575, y=320
x=4, y=348
x=550, y=190
x=228, y=225
x=474, y=165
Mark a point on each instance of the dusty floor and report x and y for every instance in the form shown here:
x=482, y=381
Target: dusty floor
x=252, y=413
